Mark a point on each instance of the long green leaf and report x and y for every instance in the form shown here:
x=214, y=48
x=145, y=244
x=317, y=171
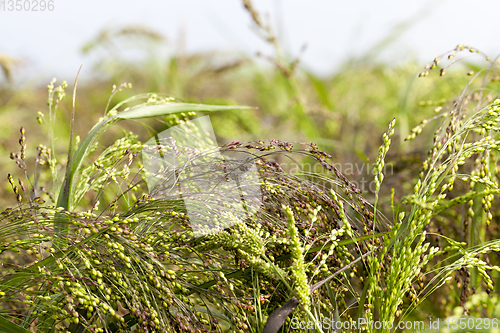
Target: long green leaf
x=362, y=299
x=63, y=200
x=279, y=316
x=7, y=326
x=164, y=109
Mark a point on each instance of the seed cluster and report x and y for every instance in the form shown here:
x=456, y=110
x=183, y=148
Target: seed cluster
x=145, y=267
x=97, y=269
x=465, y=150
x=219, y=243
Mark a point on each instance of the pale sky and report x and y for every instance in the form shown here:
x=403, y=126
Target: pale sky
x=49, y=42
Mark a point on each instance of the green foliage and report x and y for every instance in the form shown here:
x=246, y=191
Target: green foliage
x=144, y=268
x=105, y=254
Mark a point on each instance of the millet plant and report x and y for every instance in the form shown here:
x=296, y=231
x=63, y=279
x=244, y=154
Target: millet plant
x=132, y=262
x=105, y=254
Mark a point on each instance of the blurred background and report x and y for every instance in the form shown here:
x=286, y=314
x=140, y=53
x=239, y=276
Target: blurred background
x=332, y=72
x=51, y=42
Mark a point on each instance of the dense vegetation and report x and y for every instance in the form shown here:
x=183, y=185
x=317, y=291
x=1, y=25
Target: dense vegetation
x=373, y=194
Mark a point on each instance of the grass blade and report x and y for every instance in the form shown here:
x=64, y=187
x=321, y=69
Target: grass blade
x=278, y=317
x=9, y=327
x=164, y=109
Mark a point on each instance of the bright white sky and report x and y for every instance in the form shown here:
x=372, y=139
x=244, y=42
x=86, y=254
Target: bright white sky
x=49, y=43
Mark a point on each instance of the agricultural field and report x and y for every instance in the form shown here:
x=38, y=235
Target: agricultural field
x=213, y=193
